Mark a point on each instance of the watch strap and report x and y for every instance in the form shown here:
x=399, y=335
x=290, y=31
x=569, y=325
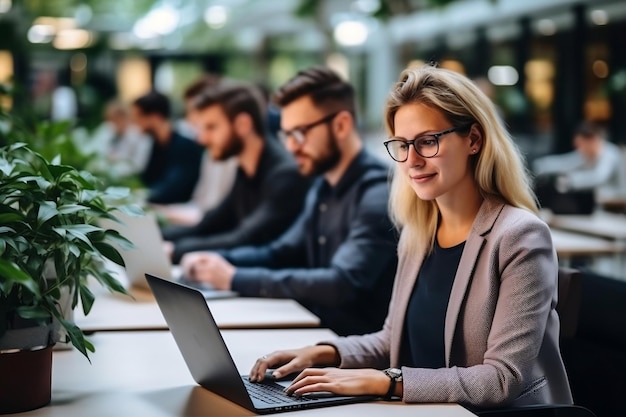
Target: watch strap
x=392, y=388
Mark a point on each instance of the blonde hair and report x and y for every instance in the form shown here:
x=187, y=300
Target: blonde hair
x=499, y=169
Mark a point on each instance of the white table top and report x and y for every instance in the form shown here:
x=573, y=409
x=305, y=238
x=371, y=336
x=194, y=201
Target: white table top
x=569, y=244
x=143, y=374
x=120, y=312
x=602, y=224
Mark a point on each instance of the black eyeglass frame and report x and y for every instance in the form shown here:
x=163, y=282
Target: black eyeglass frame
x=299, y=133
x=414, y=141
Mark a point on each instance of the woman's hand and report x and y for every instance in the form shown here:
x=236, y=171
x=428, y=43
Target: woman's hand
x=295, y=360
x=340, y=382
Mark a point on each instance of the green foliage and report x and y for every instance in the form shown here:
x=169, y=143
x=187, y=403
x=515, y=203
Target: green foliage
x=50, y=238
x=55, y=139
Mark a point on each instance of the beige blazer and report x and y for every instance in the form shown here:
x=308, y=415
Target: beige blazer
x=501, y=329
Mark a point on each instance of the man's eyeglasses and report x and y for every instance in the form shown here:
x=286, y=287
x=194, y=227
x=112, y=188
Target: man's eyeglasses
x=299, y=133
x=427, y=146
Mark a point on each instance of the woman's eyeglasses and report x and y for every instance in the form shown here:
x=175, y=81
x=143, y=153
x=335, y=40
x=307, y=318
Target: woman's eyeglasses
x=427, y=146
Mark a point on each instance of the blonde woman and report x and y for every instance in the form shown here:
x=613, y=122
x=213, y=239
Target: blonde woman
x=472, y=317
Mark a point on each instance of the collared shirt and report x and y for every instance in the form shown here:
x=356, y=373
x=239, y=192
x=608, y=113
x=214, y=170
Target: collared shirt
x=339, y=257
x=257, y=209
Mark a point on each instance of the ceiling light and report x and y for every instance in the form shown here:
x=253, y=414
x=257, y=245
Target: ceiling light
x=599, y=17
x=161, y=21
x=216, y=16
x=40, y=33
x=5, y=6
x=165, y=19
x=546, y=27
x=503, y=75
x=72, y=39
x=6, y=66
x=600, y=68
x=350, y=33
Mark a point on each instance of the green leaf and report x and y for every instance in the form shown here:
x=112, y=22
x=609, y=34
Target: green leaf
x=74, y=250
x=5, y=167
x=10, y=217
x=57, y=170
x=86, y=298
x=9, y=271
x=132, y=210
x=33, y=312
x=79, y=231
x=71, y=208
x=47, y=210
x=117, y=192
x=109, y=252
x=77, y=338
x=109, y=281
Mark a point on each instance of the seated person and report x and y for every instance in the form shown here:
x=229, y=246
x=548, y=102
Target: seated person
x=339, y=257
x=569, y=183
x=124, y=150
x=216, y=177
x=472, y=318
x=174, y=163
x=268, y=193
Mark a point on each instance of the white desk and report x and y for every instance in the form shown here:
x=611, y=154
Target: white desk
x=120, y=312
x=606, y=226
x=143, y=374
x=568, y=244
x=601, y=224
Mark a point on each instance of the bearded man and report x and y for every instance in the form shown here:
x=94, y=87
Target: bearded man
x=339, y=257
x=268, y=192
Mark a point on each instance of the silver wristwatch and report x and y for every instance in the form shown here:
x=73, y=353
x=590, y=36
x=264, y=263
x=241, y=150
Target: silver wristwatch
x=395, y=376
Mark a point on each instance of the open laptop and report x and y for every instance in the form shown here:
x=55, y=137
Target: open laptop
x=209, y=361
x=148, y=257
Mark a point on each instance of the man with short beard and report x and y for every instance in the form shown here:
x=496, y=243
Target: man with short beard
x=339, y=258
x=173, y=165
x=268, y=192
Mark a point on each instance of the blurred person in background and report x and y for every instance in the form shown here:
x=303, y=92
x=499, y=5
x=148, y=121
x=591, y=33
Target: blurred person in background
x=216, y=177
x=173, y=166
x=572, y=183
x=123, y=148
x=338, y=258
x=268, y=192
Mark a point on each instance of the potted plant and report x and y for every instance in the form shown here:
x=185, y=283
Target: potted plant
x=50, y=245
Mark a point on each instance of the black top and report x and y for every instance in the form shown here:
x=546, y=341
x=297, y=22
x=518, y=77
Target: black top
x=256, y=210
x=172, y=170
x=426, y=311
x=338, y=259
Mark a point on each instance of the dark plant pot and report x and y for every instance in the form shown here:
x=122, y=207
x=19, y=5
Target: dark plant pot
x=26, y=380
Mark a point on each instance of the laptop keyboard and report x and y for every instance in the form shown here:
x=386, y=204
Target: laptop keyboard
x=271, y=393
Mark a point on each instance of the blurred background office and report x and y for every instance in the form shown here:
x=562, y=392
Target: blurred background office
x=547, y=64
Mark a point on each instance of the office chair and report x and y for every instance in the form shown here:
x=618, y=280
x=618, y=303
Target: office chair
x=570, y=282
x=552, y=410
x=570, y=294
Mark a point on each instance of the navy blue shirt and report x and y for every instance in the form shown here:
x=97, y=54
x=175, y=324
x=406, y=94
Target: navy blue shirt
x=172, y=170
x=426, y=312
x=338, y=259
